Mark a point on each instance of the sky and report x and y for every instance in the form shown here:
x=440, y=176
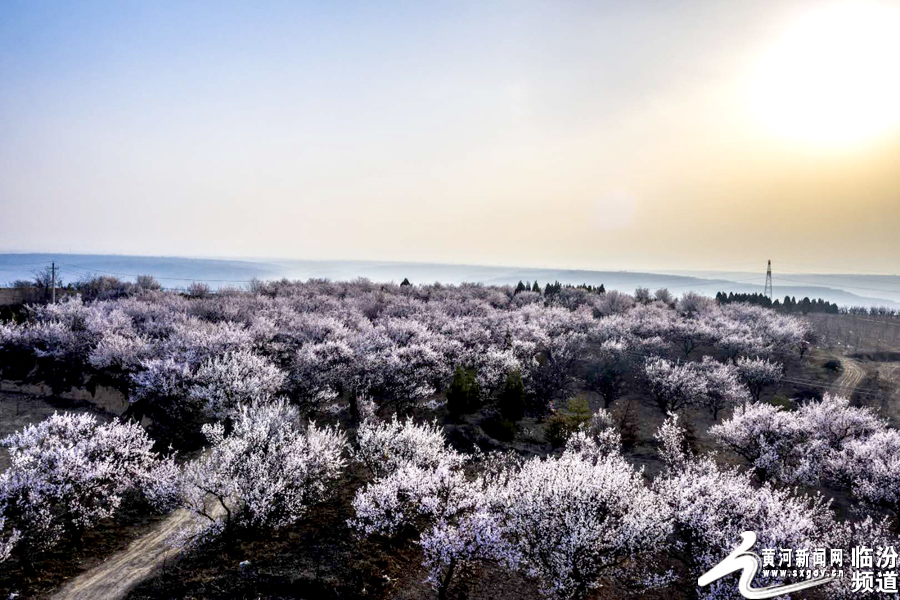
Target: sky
x=623, y=135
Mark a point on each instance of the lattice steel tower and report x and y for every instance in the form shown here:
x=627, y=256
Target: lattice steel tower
x=768, y=290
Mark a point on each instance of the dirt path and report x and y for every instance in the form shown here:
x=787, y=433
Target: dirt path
x=850, y=378
x=113, y=578
x=893, y=371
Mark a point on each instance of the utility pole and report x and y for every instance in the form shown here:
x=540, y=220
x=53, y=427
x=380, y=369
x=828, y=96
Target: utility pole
x=53, y=282
x=768, y=289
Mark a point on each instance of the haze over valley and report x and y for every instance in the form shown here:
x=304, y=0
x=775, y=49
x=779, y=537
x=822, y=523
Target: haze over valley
x=179, y=272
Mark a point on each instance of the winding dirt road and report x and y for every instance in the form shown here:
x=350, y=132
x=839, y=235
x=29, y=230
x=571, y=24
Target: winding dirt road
x=850, y=378
x=113, y=578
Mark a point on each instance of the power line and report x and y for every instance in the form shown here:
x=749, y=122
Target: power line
x=858, y=318
x=813, y=382
x=873, y=320
x=90, y=270
x=105, y=272
x=725, y=268
x=21, y=267
x=839, y=286
x=831, y=268
x=41, y=262
x=863, y=391
x=721, y=282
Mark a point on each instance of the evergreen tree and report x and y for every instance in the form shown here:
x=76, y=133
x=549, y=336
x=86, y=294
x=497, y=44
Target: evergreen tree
x=512, y=397
x=788, y=305
x=464, y=395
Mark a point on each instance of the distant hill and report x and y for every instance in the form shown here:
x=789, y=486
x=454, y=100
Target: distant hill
x=845, y=289
x=179, y=272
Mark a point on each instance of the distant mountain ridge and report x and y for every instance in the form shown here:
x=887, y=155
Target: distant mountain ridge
x=179, y=272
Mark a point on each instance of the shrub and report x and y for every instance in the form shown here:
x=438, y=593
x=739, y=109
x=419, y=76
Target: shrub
x=579, y=411
x=556, y=430
x=627, y=423
x=198, y=290
x=512, y=397
x=781, y=401
x=499, y=429
x=464, y=395
x=103, y=287
x=148, y=283
x=563, y=424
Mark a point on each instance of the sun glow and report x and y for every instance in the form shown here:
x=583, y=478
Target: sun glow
x=832, y=79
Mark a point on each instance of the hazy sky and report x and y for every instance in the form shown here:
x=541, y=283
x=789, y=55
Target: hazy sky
x=621, y=135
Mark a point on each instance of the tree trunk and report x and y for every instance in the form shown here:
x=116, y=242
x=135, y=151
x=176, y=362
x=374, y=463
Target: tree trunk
x=445, y=582
x=354, y=407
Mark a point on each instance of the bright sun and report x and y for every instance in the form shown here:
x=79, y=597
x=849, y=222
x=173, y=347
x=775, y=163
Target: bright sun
x=832, y=79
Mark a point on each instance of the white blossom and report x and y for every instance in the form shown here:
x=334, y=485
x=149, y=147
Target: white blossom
x=235, y=379
x=570, y=521
x=674, y=385
x=385, y=446
x=267, y=471
x=69, y=472
x=758, y=373
x=711, y=506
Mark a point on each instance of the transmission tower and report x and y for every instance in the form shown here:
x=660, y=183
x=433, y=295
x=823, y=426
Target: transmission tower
x=768, y=290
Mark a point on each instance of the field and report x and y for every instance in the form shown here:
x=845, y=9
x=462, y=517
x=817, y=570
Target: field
x=858, y=333
x=873, y=344
x=497, y=371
